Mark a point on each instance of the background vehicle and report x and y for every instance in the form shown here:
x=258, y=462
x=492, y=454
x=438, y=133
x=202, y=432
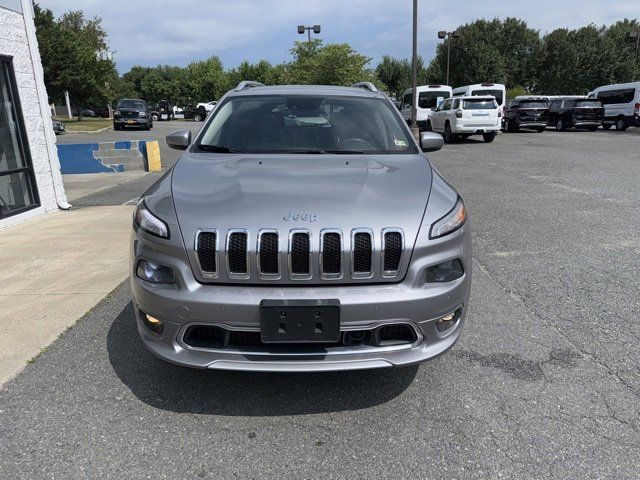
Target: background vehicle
x=86, y=113
x=289, y=216
x=466, y=116
x=132, y=112
x=498, y=90
x=525, y=112
x=583, y=112
x=58, y=126
x=163, y=110
x=429, y=96
x=621, y=104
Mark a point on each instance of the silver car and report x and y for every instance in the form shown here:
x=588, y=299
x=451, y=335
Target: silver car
x=302, y=229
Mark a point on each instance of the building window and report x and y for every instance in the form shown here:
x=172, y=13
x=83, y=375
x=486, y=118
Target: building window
x=18, y=190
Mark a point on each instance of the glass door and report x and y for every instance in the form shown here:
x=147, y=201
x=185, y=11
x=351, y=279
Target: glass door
x=18, y=190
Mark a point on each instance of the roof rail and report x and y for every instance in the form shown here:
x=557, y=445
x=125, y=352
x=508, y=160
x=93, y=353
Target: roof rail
x=248, y=84
x=367, y=85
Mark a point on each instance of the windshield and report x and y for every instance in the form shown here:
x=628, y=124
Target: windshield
x=534, y=104
x=131, y=104
x=495, y=93
x=306, y=124
x=479, y=104
x=431, y=99
x=588, y=103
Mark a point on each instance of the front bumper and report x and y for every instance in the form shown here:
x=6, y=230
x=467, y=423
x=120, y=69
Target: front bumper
x=131, y=122
x=362, y=306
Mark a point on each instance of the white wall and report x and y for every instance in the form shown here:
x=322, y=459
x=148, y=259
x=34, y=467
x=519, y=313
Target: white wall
x=17, y=40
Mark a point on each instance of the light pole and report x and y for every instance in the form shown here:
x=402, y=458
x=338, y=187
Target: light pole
x=442, y=35
x=314, y=28
x=414, y=72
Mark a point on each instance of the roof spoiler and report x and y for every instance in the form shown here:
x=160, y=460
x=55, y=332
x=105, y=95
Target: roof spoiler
x=248, y=84
x=366, y=85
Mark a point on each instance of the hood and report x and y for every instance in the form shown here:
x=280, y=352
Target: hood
x=315, y=192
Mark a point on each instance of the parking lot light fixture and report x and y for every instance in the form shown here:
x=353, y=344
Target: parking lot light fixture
x=314, y=28
x=442, y=35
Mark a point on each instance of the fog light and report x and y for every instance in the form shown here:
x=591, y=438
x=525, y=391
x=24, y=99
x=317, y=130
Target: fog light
x=445, y=323
x=152, y=323
x=445, y=271
x=155, y=273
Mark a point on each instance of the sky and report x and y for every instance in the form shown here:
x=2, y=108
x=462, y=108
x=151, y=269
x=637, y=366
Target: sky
x=177, y=32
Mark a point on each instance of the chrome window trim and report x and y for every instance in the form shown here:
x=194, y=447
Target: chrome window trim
x=247, y=274
x=361, y=275
x=299, y=276
x=391, y=273
x=204, y=273
x=331, y=276
x=261, y=275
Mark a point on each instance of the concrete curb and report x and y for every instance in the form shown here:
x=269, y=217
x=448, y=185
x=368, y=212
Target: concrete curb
x=89, y=131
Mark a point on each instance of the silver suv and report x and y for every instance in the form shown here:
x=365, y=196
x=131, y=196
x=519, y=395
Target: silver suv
x=303, y=229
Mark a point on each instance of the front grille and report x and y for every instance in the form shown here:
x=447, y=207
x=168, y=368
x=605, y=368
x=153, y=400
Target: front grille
x=395, y=335
x=331, y=253
x=362, y=254
x=300, y=250
x=237, y=253
x=392, y=251
x=206, y=248
x=268, y=256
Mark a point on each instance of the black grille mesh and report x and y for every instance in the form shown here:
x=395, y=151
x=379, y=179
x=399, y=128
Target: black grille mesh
x=331, y=253
x=362, y=252
x=397, y=333
x=392, y=251
x=300, y=253
x=269, y=253
x=238, y=252
x=207, y=251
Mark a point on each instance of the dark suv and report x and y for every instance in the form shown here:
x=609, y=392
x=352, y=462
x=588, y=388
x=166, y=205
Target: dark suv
x=576, y=112
x=530, y=113
x=132, y=112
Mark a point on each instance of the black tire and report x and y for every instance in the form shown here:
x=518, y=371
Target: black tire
x=488, y=137
x=621, y=125
x=507, y=125
x=540, y=129
x=197, y=117
x=448, y=136
x=117, y=127
x=606, y=126
x=560, y=125
x=155, y=117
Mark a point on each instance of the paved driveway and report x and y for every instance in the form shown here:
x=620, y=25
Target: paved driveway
x=544, y=383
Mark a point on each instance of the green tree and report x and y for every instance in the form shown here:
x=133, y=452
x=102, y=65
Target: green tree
x=69, y=48
x=206, y=80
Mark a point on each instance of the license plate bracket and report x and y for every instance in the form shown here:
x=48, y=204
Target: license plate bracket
x=300, y=321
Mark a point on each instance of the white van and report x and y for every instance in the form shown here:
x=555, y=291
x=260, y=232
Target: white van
x=498, y=90
x=621, y=104
x=429, y=97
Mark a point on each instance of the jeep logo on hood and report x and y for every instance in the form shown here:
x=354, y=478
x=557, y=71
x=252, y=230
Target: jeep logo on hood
x=300, y=217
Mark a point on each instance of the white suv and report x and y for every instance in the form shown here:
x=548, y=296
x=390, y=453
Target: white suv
x=466, y=116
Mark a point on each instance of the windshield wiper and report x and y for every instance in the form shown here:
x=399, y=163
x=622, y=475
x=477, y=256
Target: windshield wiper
x=218, y=148
x=345, y=152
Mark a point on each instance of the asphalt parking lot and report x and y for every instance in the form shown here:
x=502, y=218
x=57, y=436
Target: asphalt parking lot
x=544, y=383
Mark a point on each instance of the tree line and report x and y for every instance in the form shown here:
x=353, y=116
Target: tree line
x=505, y=51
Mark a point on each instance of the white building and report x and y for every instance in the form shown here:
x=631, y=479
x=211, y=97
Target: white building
x=30, y=180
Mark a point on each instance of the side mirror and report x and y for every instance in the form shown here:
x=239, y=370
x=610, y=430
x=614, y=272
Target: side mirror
x=179, y=139
x=431, y=141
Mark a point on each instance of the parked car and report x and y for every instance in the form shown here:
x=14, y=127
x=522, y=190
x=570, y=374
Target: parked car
x=132, y=112
x=302, y=229
x=163, y=110
x=461, y=117
x=583, y=112
x=58, y=127
x=85, y=112
x=429, y=96
x=498, y=90
x=102, y=112
x=621, y=104
x=530, y=113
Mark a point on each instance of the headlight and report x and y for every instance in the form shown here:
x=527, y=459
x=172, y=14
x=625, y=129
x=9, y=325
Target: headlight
x=148, y=222
x=116, y=113
x=451, y=222
x=143, y=114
